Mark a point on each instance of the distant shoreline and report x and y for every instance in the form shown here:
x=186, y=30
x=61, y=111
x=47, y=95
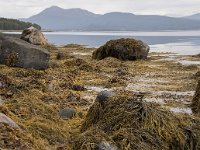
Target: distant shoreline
x=22, y=31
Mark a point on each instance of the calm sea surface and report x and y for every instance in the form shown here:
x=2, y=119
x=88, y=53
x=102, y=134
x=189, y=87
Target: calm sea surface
x=180, y=42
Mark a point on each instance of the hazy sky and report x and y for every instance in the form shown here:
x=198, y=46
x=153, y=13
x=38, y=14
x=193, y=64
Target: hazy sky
x=26, y=8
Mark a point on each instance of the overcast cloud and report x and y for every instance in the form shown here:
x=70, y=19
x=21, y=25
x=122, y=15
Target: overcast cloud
x=27, y=8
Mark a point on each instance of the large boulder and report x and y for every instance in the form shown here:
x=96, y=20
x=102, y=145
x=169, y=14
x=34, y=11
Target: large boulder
x=124, y=49
x=18, y=53
x=33, y=36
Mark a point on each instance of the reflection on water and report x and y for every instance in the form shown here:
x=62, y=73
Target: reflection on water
x=181, y=42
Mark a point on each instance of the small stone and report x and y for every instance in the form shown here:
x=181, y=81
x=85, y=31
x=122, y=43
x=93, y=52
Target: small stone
x=106, y=146
x=104, y=95
x=50, y=87
x=77, y=87
x=8, y=121
x=67, y=113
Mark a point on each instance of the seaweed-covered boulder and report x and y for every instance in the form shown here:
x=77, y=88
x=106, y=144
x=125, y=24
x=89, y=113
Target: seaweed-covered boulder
x=33, y=36
x=196, y=101
x=124, y=49
x=18, y=53
x=130, y=123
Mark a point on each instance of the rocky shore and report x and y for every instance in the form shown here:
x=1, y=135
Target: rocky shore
x=57, y=108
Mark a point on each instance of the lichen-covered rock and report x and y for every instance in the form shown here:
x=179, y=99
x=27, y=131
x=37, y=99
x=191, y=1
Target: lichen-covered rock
x=124, y=49
x=15, y=52
x=33, y=36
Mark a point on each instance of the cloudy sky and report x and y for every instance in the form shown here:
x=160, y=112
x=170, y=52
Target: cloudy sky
x=27, y=8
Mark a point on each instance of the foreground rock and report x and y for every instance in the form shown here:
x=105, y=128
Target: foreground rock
x=33, y=36
x=18, y=53
x=196, y=101
x=124, y=49
x=8, y=121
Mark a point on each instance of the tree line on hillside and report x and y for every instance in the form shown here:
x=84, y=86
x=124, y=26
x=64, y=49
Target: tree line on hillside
x=14, y=24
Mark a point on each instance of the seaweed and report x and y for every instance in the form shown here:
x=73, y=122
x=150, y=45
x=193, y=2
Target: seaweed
x=134, y=124
x=196, y=101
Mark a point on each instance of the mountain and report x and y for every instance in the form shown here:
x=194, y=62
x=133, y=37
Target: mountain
x=13, y=24
x=56, y=18
x=194, y=17
x=128, y=21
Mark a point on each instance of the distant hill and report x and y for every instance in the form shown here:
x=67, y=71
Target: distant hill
x=194, y=17
x=55, y=18
x=13, y=24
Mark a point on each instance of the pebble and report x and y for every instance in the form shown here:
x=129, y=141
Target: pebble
x=104, y=95
x=67, y=113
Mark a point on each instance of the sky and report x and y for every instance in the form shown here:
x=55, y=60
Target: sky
x=174, y=8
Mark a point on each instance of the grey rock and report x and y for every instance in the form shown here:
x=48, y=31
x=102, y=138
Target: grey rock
x=8, y=121
x=104, y=95
x=106, y=146
x=77, y=87
x=18, y=53
x=33, y=36
x=67, y=113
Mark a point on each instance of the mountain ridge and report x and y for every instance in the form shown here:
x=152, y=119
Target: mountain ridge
x=194, y=16
x=76, y=19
